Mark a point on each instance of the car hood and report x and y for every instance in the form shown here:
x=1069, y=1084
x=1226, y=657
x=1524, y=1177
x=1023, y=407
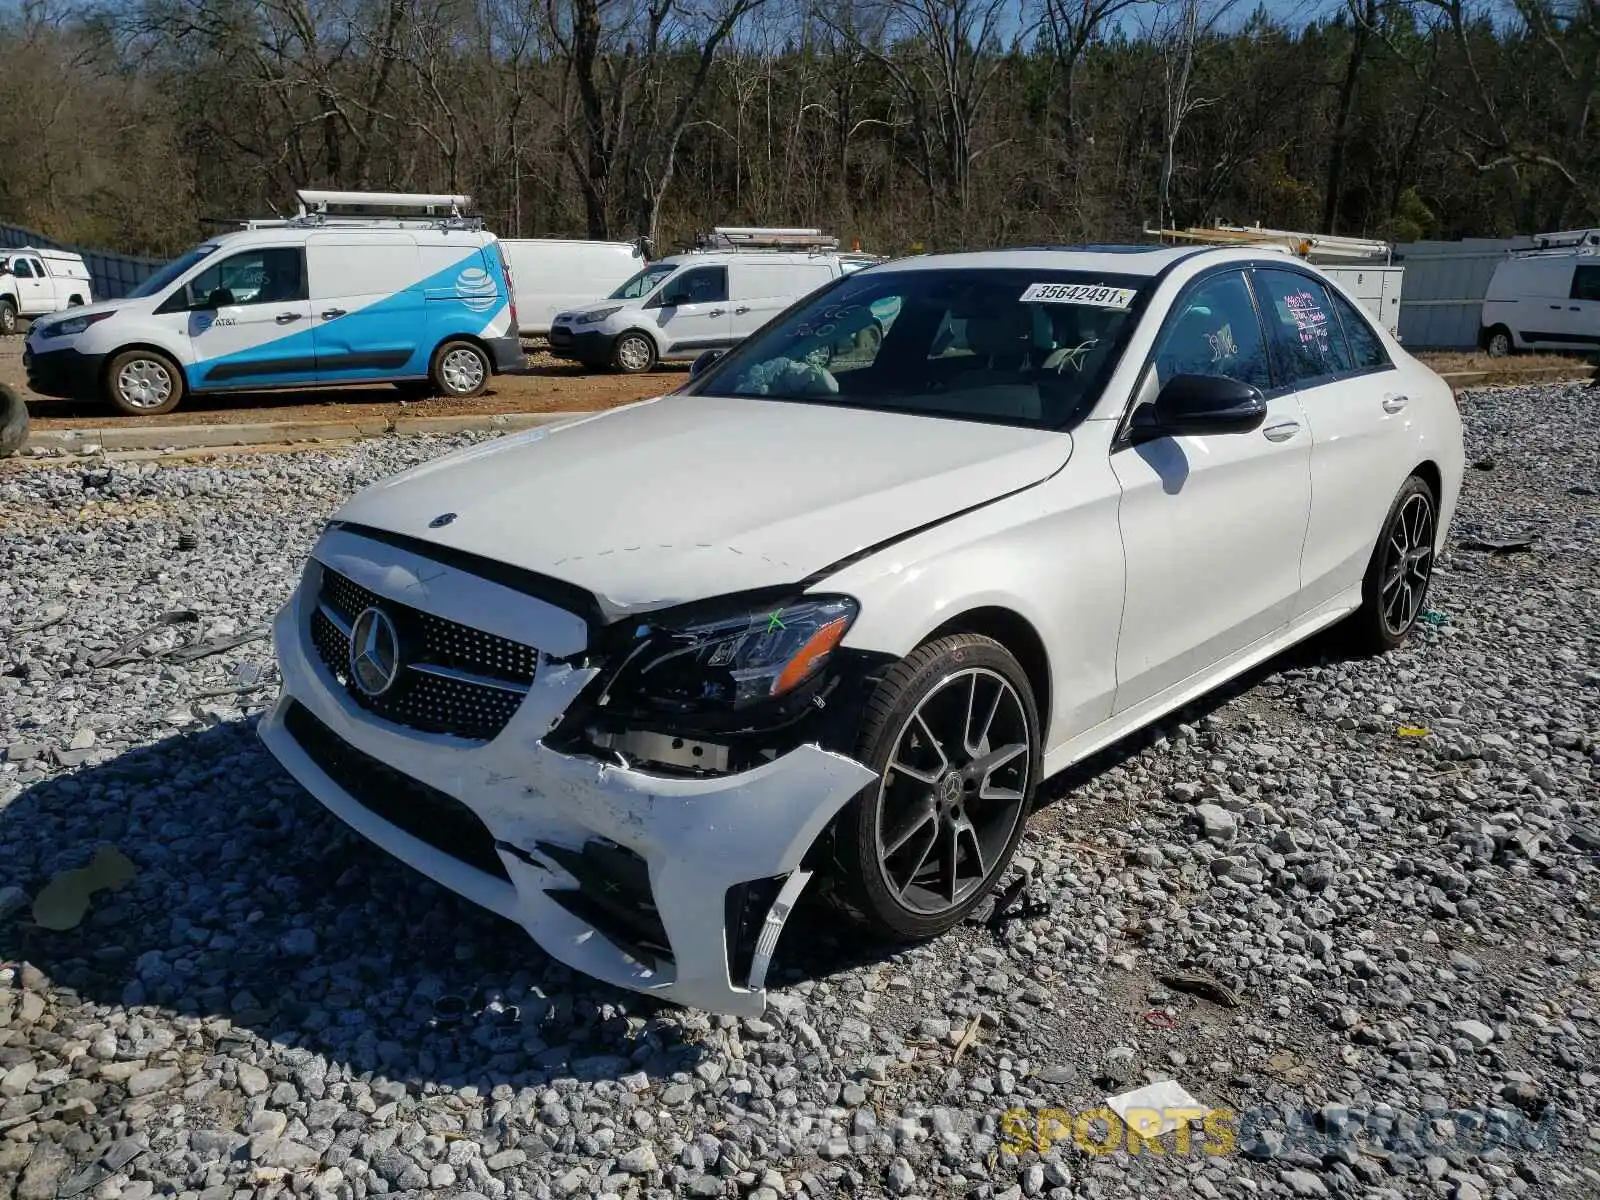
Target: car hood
x=688, y=497
x=84, y=310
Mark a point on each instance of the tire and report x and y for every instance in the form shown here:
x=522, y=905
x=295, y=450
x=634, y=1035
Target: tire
x=883, y=831
x=1390, y=605
x=460, y=370
x=8, y=318
x=13, y=422
x=414, y=389
x=143, y=383
x=634, y=353
x=75, y=302
x=1497, y=342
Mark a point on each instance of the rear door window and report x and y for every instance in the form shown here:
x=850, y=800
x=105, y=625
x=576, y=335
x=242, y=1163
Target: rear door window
x=1366, y=350
x=1308, y=343
x=1586, y=283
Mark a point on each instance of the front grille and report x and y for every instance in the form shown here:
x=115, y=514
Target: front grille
x=422, y=811
x=454, y=679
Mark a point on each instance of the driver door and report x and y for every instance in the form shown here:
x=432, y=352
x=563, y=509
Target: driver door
x=248, y=320
x=693, y=312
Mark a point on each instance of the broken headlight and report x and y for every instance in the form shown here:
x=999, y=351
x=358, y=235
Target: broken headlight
x=733, y=662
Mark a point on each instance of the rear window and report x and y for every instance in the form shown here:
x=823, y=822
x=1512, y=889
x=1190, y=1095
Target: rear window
x=1011, y=346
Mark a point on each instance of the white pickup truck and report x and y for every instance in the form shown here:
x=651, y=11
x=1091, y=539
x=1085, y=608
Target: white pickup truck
x=36, y=282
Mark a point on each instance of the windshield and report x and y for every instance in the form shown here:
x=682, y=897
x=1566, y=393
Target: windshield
x=1012, y=346
x=644, y=282
x=163, y=277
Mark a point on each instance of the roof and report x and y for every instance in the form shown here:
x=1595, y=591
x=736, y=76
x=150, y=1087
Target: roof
x=1146, y=260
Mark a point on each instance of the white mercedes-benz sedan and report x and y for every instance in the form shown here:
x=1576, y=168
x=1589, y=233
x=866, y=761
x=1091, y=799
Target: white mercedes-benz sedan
x=837, y=606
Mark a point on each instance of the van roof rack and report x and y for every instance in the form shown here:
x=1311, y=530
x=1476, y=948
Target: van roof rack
x=383, y=210
x=1566, y=238
x=750, y=237
x=1313, y=247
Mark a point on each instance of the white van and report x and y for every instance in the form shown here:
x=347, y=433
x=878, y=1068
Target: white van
x=1547, y=298
x=676, y=309
x=552, y=274
x=423, y=302
x=34, y=283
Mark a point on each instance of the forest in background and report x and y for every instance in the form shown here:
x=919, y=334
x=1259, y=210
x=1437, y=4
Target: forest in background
x=903, y=124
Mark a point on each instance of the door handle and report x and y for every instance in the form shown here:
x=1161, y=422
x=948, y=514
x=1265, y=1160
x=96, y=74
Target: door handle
x=286, y=318
x=1394, y=403
x=1573, y=308
x=329, y=314
x=1557, y=307
x=715, y=312
x=738, y=312
x=1281, y=432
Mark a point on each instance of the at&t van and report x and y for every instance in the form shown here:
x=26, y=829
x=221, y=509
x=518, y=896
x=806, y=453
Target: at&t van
x=320, y=299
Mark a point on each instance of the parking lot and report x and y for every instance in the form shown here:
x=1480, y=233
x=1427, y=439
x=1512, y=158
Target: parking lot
x=1389, y=914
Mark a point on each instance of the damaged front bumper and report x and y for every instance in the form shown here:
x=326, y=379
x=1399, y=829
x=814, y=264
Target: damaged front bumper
x=675, y=886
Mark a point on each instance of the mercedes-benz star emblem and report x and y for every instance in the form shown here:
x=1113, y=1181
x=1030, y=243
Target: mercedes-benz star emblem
x=374, y=652
x=441, y=520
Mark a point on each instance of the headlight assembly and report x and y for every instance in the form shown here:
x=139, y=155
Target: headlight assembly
x=72, y=326
x=727, y=663
x=598, y=315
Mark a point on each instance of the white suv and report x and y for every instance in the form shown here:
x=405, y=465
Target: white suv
x=630, y=682
x=677, y=308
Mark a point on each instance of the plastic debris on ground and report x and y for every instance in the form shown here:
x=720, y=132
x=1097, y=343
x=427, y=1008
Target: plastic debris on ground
x=1174, y=1105
x=1203, y=986
x=1411, y=731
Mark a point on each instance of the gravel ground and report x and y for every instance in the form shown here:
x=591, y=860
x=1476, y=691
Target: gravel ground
x=1406, y=929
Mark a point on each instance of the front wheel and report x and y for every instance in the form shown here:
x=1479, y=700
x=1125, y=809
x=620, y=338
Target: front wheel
x=143, y=383
x=1396, y=584
x=953, y=732
x=8, y=318
x=634, y=354
x=1498, y=342
x=460, y=370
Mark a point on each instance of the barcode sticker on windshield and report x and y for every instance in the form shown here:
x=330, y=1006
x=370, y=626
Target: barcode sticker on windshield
x=1078, y=293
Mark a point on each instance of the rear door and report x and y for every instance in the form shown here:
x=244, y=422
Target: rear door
x=1212, y=526
x=1362, y=444
x=762, y=290
x=1546, y=319
x=367, y=314
x=247, y=319
x=693, y=312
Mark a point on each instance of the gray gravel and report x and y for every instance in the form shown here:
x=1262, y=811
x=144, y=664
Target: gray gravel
x=1408, y=928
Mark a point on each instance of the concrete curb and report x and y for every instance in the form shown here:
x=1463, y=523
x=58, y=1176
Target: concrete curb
x=112, y=439
x=1460, y=380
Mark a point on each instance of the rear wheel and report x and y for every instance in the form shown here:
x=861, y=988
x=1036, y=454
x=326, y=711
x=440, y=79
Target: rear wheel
x=75, y=302
x=633, y=354
x=13, y=422
x=8, y=317
x=1498, y=342
x=460, y=370
x=143, y=383
x=1395, y=588
x=953, y=732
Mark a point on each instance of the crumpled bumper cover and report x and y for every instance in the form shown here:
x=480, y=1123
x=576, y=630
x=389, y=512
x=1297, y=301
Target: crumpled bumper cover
x=698, y=837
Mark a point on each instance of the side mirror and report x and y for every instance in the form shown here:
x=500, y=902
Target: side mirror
x=1193, y=405
x=219, y=298
x=703, y=363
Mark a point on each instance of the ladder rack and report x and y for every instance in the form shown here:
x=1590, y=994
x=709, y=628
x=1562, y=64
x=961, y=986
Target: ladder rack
x=1313, y=247
x=380, y=210
x=740, y=237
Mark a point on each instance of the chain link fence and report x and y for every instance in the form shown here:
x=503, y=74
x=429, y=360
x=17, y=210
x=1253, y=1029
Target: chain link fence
x=112, y=276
